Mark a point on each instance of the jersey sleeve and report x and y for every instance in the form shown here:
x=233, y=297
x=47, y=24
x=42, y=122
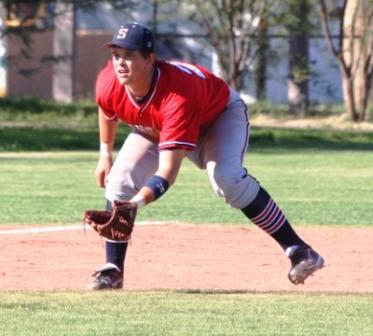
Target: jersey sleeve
x=180, y=126
x=108, y=112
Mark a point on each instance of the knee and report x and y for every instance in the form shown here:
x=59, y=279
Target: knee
x=121, y=182
x=223, y=180
x=237, y=188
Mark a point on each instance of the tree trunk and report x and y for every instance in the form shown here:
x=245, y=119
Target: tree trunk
x=349, y=52
x=354, y=52
x=348, y=94
x=3, y=79
x=355, y=49
x=298, y=96
x=63, y=50
x=261, y=68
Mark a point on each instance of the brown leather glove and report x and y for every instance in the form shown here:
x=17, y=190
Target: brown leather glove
x=115, y=225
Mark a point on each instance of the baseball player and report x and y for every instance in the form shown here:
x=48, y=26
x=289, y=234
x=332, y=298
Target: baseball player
x=178, y=110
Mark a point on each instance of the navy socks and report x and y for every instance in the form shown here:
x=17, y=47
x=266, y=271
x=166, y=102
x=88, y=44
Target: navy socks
x=265, y=213
x=115, y=251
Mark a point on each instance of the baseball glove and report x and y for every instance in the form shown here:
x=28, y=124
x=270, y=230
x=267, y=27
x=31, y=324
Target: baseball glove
x=114, y=225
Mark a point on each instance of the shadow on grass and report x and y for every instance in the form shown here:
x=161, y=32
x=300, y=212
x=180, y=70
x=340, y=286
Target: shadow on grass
x=272, y=138
x=45, y=139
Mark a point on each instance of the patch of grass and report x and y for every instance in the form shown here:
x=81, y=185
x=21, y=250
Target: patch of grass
x=312, y=187
x=11, y=107
x=322, y=139
x=282, y=110
x=317, y=110
x=31, y=113
x=82, y=137
x=50, y=138
x=170, y=313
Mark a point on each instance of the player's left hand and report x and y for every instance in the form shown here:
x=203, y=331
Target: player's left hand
x=116, y=225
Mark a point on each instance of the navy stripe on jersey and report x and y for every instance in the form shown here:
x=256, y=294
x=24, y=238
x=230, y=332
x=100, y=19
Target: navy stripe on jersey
x=176, y=144
x=270, y=219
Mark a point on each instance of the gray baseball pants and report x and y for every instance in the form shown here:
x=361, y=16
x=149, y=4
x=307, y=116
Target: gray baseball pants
x=220, y=151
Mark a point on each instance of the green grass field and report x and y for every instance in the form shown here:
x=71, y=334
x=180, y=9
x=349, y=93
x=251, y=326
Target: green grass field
x=183, y=314
x=319, y=178
x=313, y=187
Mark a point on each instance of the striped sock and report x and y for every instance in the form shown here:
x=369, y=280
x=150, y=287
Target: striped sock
x=270, y=219
x=266, y=214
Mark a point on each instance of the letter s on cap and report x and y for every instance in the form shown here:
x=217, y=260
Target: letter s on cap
x=122, y=33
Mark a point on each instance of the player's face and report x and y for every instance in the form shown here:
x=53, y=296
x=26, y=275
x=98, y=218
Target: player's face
x=130, y=66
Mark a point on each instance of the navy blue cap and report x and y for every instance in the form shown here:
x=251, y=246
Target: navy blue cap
x=132, y=36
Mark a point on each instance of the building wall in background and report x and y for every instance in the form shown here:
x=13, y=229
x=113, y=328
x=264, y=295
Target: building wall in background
x=29, y=70
x=90, y=57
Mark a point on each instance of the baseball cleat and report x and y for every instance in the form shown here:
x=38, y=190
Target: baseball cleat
x=108, y=276
x=304, y=262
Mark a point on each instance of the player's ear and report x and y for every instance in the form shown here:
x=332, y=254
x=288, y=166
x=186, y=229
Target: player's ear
x=152, y=57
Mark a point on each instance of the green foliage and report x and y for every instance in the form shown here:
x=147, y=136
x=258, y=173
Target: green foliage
x=294, y=16
x=314, y=110
x=47, y=139
x=82, y=136
x=263, y=107
x=327, y=139
x=34, y=105
x=282, y=110
x=181, y=314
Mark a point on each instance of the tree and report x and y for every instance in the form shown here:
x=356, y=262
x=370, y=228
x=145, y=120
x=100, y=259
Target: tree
x=231, y=27
x=354, y=51
x=298, y=27
x=262, y=57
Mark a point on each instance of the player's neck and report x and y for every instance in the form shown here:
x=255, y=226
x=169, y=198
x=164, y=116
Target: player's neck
x=141, y=89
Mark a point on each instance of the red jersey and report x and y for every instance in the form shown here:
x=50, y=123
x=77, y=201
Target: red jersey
x=184, y=100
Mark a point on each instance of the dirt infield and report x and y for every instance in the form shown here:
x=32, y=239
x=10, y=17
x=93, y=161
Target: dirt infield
x=186, y=257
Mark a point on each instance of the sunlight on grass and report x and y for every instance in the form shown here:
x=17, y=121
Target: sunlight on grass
x=313, y=188
x=169, y=313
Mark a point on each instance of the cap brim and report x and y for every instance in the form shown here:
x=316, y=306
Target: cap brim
x=127, y=46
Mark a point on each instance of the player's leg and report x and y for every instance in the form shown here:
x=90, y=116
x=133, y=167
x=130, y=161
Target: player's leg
x=135, y=163
x=221, y=151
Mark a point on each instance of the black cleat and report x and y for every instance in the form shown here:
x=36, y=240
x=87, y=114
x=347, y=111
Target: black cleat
x=108, y=276
x=304, y=262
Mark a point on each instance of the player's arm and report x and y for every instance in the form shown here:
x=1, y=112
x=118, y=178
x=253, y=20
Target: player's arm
x=107, y=128
x=168, y=169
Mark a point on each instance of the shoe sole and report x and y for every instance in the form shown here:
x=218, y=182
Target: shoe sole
x=94, y=287
x=105, y=284
x=303, y=270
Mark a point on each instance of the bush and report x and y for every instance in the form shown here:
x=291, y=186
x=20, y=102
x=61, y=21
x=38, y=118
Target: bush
x=282, y=110
x=34, y=105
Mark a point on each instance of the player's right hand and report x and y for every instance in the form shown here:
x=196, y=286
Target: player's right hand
x=102, y=170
